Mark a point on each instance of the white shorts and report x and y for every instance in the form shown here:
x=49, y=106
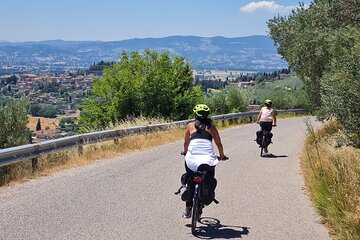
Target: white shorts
x=200, y=151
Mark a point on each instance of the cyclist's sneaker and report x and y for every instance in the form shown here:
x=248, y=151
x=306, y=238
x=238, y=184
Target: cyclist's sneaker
x=186, y=213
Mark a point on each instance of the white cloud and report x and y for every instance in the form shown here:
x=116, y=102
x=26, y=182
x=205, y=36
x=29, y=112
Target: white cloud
x=267, y=6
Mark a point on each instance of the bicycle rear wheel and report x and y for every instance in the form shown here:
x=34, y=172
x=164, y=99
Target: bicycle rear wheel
x=195, y=210
x=262, y=146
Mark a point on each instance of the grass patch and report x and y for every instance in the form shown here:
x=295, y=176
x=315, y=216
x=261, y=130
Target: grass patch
x=332, y=174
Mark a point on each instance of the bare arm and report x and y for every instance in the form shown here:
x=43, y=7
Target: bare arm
x=274, y=118
x=217, y=140
x=186, y=139
x=258, y=118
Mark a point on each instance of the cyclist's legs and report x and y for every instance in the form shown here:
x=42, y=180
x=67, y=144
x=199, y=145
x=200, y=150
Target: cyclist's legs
x=267, y=126
x=188, y=204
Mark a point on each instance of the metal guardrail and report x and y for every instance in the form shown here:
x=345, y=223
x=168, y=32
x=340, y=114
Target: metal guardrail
x=15, y=154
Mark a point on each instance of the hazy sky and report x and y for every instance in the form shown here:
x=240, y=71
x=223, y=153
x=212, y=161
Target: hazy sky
x=109, y=20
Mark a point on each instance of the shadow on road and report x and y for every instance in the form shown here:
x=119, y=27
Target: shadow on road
x=211, y=228
x=274, y=156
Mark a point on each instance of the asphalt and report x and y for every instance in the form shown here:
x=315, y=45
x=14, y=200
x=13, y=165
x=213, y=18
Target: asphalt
x=132, y=196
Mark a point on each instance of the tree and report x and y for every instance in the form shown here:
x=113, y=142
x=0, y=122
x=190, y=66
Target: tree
x=340, y=89
x=13, y=120
x=237, y=100
x=35, y=110
x=321, y=45
x=217, y=103
x=232, y=100
x=38, y=125
x=11, y=80
x=151, y=84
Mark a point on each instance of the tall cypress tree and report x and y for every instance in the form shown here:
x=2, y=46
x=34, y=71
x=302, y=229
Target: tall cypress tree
x=38, y=125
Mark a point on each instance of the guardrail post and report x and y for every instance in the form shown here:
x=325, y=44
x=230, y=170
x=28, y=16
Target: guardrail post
x=80, y=146
x=223, y=122
x=34, y=163
x=80, y=150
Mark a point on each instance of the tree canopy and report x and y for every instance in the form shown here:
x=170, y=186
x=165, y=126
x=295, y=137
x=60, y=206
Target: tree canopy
x=321, y=44
x=149, y=84
x=13, y=120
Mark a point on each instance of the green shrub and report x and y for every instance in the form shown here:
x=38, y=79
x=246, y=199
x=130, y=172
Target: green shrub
x=13, y=120
x=232, y=100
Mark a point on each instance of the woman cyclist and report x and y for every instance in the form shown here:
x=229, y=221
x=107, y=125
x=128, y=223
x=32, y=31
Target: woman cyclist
x=267, y=118
x=198, y=148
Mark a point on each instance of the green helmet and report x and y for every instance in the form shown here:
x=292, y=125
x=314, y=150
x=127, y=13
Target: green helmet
x=201, y=110
x=268, y=102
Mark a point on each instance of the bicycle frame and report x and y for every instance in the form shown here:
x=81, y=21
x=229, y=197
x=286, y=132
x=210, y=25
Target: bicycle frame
x=197, y=206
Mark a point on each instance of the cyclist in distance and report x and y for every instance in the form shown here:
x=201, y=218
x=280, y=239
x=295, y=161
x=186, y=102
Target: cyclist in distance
x=198, y=148
x=267, y=118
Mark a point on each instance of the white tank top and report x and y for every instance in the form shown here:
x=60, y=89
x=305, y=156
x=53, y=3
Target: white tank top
x=266, y=114
x=200, y=151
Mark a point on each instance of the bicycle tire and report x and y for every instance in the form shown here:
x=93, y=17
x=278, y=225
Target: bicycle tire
x=194, y=210
x=262, y=145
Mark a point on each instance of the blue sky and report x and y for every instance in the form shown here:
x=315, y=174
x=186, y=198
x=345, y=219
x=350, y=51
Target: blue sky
x=110, y=20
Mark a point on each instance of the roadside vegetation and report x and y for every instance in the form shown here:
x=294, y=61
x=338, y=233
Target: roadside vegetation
x=332, y=172
x=59, y=160
x=13, y=120
x=321, y=44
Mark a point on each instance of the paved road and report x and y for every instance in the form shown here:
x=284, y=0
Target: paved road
x=132, y=196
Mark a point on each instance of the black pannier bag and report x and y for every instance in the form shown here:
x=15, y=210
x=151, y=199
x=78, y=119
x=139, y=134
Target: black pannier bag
x=259, y=137
x=267, y=138
x=208, y=189
x=186, y=180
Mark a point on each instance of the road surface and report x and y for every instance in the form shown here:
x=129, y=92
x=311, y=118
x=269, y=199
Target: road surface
x=132, y=196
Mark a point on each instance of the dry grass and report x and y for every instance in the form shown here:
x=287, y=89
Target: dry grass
x=332, y=175
x=59, y=160
x=64, y=159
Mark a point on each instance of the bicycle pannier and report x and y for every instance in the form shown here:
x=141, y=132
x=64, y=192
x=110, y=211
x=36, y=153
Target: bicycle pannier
x=259, y=137
x=186, y=180
x=208, y=189
x=268, y=138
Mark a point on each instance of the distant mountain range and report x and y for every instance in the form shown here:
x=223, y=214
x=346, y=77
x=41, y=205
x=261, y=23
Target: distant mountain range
x=252, y=53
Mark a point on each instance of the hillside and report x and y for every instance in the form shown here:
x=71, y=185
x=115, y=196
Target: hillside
x=256, y=53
